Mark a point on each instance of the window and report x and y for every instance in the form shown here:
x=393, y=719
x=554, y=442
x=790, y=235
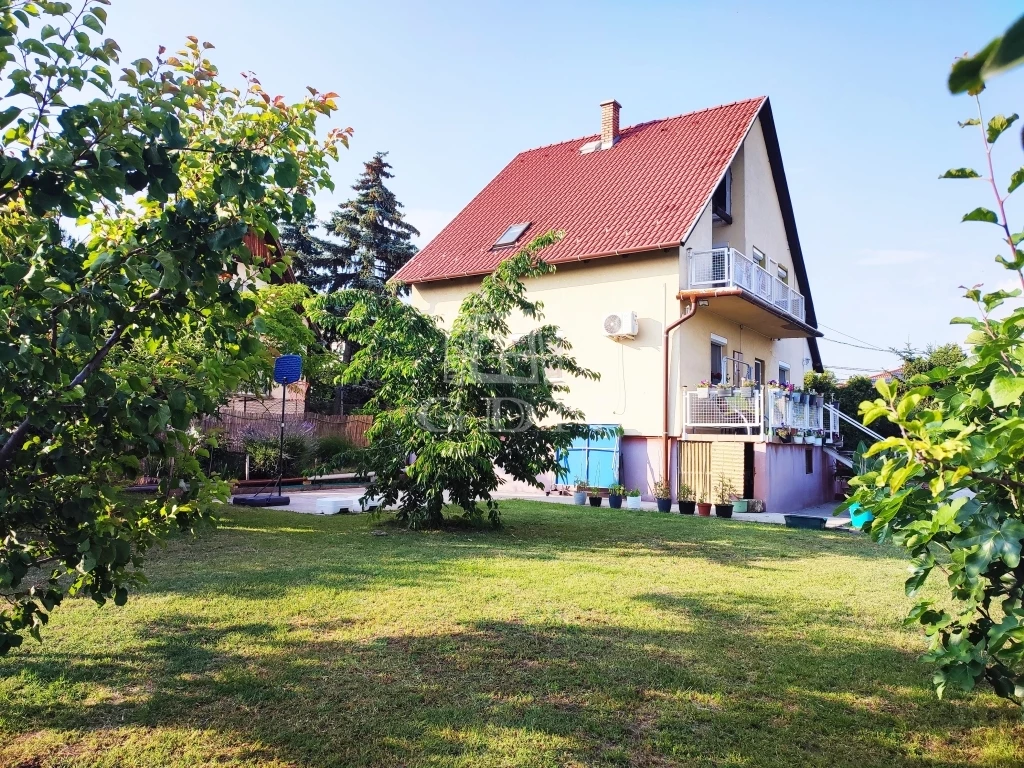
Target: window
x=808, y=461
x=783, y=274
x=758, y=255
x=758, y=371
x=718, y=359
x=721, y=201
x=783, y=374
x=512, y=234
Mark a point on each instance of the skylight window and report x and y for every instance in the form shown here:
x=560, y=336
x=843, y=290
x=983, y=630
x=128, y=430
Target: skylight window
x=512, y=234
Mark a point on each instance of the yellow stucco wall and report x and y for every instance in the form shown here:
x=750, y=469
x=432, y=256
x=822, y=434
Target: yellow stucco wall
x=578, y=296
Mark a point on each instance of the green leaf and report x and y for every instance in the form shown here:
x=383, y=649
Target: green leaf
x=8, y=115
x=1008, y=53
x=1005, y=390
x=966, y=73
x=961, y=173
x=982, y=214
x=287, y=172
x=1016, y=179
x=121, y=596
x=997, y=125
x=969, y=121
x=1003, y=542
x=14, y=272
x=93, y=23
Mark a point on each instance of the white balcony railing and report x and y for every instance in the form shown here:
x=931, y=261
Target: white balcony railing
x=754, y=411
x=728, y=268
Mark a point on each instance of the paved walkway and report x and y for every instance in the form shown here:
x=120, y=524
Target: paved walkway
x=305, y=502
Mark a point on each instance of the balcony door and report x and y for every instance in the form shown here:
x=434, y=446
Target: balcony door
x=718, y=345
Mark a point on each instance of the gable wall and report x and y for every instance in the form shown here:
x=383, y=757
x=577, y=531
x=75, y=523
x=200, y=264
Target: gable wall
x=576, y=298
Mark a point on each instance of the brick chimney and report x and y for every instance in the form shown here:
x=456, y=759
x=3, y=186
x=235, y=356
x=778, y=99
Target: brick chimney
x=609, y=123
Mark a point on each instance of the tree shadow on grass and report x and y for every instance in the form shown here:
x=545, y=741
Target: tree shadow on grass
x=256, y=552
x=730, y=687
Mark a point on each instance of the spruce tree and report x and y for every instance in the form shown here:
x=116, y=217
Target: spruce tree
x=376, y=239
x=316, y=261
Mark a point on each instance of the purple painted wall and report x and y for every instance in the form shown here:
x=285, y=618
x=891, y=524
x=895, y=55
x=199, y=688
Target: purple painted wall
x=781, y=479
x=641, y=463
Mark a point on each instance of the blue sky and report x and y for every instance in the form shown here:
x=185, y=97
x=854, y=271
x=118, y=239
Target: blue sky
x=454, y=90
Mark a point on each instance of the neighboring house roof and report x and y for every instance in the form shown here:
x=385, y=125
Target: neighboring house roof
x=269, y=250
x=645, y=193
x=888, y=376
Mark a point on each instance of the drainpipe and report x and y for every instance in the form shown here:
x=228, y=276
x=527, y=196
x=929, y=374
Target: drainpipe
x=665, y=358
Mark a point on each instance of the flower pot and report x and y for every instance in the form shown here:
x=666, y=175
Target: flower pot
x=798, y=439
x=595, y=501
x=664, y=505
x=703, y=392
x=805, y=521
x=687, y=507
x=785, y=438
x=745, y=391
x=632, y=502
x=817, y=441
x=723, y=391
x=723, y=510
x=740, y=505
x=579, y=498
x=614, y=501
x=704, y=509
x=819, y=400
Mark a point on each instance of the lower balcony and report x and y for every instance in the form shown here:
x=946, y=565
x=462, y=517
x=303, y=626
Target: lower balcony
x=757, y=413
x=736, y=287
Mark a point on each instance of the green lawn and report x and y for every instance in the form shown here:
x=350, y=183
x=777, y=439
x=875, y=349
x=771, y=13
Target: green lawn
x=574, y=636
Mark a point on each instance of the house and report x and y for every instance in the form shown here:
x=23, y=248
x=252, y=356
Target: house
x=680, y=263
x=896, y=374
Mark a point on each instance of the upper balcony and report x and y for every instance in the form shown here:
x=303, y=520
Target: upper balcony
x=737, y=288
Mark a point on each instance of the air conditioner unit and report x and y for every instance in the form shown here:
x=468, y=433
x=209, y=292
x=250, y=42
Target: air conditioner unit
x=620, y=325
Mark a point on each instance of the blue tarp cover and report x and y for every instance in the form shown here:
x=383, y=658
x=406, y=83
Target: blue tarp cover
x=594, y=460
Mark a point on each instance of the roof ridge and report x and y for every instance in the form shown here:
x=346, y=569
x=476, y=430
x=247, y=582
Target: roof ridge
x=641, y=125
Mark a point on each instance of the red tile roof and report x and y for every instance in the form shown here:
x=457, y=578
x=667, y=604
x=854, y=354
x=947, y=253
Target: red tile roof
x=644, y=193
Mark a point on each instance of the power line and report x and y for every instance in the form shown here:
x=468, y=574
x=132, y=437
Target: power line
x=849, y=336
x=858, y=346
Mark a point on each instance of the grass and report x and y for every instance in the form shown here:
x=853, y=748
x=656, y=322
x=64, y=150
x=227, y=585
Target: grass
x=575, y=636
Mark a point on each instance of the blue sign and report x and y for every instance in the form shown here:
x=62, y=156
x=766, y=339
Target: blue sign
x=288, y=369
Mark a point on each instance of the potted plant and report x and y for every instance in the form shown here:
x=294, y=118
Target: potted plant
x=725, y=492
x=663, y=495
x=633, y=498
x=819, y=399
x=746, y=388
x=595, y=497
x=798, y=436
x=723, y=390
x=819, y=437
x=785, y=434
x=615, y=494
x=579, y=494
x=704, y=508
x=703, y=389
x=687, y=501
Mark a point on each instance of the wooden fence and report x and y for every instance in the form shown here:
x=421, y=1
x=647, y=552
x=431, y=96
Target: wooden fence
x=232, y=426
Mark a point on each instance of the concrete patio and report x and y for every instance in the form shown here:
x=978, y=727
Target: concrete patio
x=305, y=502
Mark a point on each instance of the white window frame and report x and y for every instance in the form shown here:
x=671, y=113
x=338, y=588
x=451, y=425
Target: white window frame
x=758, y=255
x=789, y=373
x=783, y=274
